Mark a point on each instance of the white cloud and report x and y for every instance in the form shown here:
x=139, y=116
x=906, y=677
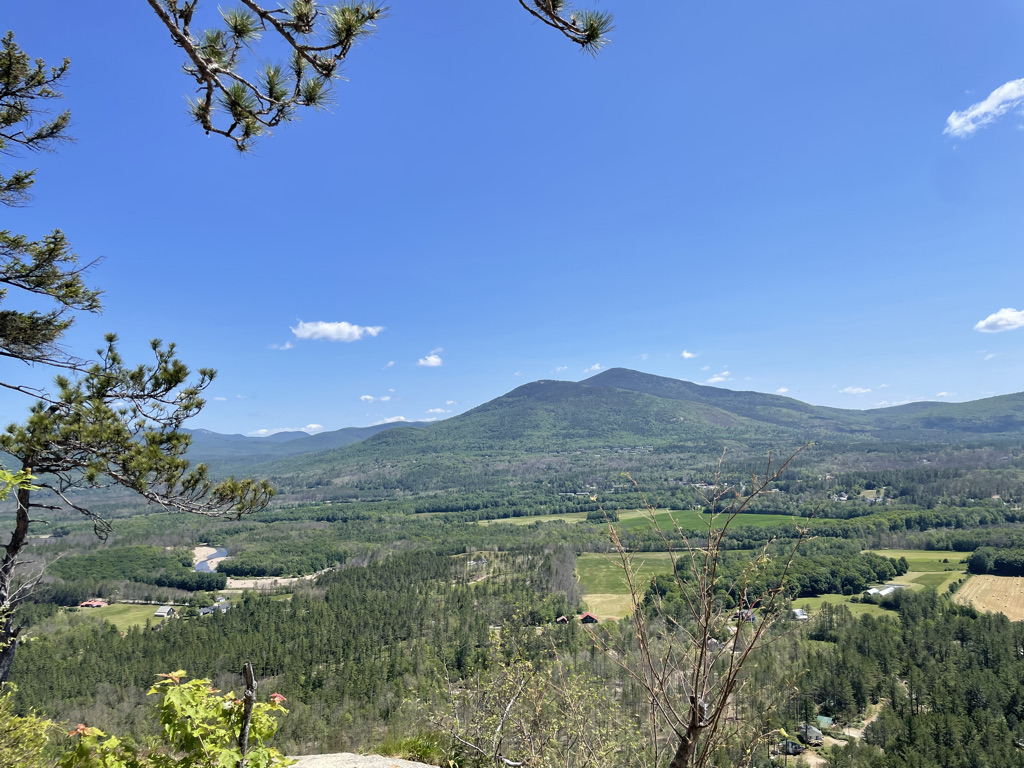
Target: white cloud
x=391, y=364
x=719, y=377
x=887, y=404
x=384, y=398
x=705, y=367
x=1006, y=319
x=560, y=368
x=282, y=347
x=644, y=356
x=593, y=369
x=220, y=399
x=311, y=429
x=450, y=402
x=688, y=355
x=430, y=361
x=392, y=419
x=437, y=350
x=999, y=102
x=854, y=391
x=367, y=398
x=945, y=394
x=883, y=386
x=437, y=410
x=781, y=390
x=241, y=397
x=989, y=356
x=518, y=373
x=335, y=331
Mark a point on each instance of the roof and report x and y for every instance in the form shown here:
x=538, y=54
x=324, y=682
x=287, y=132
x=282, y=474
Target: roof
x=588, y=616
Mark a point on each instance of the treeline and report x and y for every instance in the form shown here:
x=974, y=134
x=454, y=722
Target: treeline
x=146, y=565
x=348, y=653
x=950, y=681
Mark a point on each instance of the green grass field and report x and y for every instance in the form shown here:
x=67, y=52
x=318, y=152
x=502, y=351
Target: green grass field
x=813, y=605
x=937, y=569
x=602, y=577
x=690, y=520
x=927, y=560
x=125, y=615
x=634, y=518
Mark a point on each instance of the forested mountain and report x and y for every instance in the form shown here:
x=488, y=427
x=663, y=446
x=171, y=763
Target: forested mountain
x=616, y=421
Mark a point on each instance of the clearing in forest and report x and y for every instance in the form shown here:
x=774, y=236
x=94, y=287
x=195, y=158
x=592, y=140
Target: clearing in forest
x=998, y=594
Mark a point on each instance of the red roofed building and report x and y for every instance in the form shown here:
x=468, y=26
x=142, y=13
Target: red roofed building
x=588, y=618
x=93, y=604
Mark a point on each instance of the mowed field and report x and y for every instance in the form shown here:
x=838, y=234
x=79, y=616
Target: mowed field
x=607, y=595
x=998, y=594
x=687, y=519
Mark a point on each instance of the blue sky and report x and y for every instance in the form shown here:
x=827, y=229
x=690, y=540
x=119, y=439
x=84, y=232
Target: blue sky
x=819, y=199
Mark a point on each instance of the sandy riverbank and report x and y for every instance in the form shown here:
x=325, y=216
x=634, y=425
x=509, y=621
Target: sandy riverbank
x=203, y=553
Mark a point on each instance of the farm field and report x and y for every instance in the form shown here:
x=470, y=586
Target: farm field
x=813, y=605
x=607, y=595
x=121, y=615
x=928, y=569
x=998, y=594
x=688, y=519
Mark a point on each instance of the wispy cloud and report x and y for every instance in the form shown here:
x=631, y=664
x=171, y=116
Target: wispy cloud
x=391, y=364
x=688, y=355
x=887, y=404
x=883, y=386
x=855, y=390
x=430, y=361
x=1006, y=319
x=705, y=367
x=311, y=429
x=594, y=368
x=643, y=356
x=560, y=368
x=340, y=331
x=781, y=390
x=436, y=410
x=220, y=399
x=989, y=356
x=518, y=373
x=999, y=102
x=367, y=398
x=945, y=394
x=450, y=402
x=392, y=419
x=282, y=347
x=719, y=377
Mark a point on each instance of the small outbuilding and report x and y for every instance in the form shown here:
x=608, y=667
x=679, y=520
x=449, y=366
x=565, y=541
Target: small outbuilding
x=164, y=612
x=93, y=604
x=588, y=618
x=562, y=620
x=799, y=614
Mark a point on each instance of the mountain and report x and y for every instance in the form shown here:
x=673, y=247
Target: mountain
x=214, y=447
x=545, y=431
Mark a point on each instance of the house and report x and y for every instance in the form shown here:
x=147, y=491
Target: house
x=887, y=591
x=562, y=620
x=93, y=604
x=872, y=591
x=588, y=618
x=791, y=747
x=810, y=735
x=799, y=614
x=207, y=611
x=164, y=612
x=747, y=614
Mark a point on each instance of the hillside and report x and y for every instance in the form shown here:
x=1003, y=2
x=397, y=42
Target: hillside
x=620, y=420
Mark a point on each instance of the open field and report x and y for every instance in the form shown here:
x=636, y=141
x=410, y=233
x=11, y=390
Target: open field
x=601, y=575
x=813, y=605
x=125, y=615
x=688, y=519
x=928, y=569
x=998, y=594
x=927, y=560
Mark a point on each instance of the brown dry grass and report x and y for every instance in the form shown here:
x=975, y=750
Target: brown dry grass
x=998, y=594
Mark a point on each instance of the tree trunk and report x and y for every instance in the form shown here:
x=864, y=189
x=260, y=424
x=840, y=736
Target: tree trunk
x=19, y=536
